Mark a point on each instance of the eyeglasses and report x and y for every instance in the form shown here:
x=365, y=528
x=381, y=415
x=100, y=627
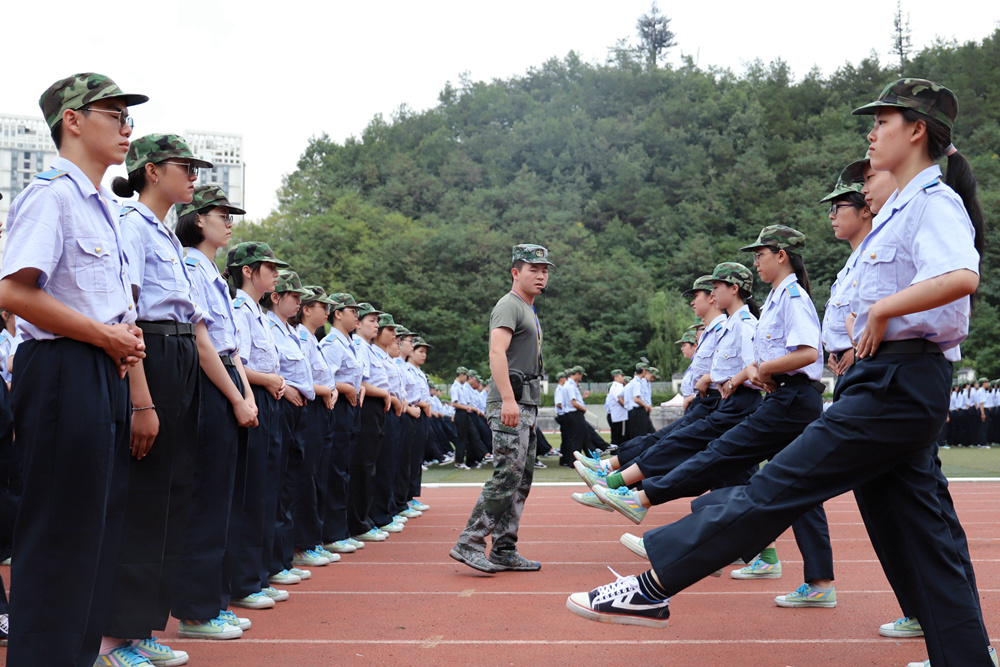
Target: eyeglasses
x=834, y=207
x=191, y=169
x=225, y=216
x=123, y=117
x=758, y=256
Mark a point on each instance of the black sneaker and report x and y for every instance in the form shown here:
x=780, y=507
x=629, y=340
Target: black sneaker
x=539, y=464
x=474, y=559
x=511, y=560
x=4, y=626
x=620, y=602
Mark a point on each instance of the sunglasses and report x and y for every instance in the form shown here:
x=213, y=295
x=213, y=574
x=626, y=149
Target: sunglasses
x=191, y=170
x=123, y=117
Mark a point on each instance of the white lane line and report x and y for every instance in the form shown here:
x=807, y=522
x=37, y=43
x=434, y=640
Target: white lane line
x=472, y=592
x=599, y=562
x=550, y=642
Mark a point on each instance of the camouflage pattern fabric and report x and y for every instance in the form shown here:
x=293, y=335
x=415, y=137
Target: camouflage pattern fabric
x=367, y=309
x=688, y=337
x=842, y=188
x=343, y=300
x=316, y=293
x=250, y=252
x=385, y=320
x=923, y=96
x=616, y=371
x=498, y=510
x=289, y=282
x=734, y=273
x=532, y=254
x=778, y=237
x=208, y=196
x=420, y=342
x=79, y=90
x=154, y=148
x=700, y=283
x=461, y=370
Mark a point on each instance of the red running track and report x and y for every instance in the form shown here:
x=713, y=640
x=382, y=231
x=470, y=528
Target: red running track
x=405, y=602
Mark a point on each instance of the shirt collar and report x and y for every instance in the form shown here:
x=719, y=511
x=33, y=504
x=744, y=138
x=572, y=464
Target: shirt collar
x=254, y=306
x=900, y=199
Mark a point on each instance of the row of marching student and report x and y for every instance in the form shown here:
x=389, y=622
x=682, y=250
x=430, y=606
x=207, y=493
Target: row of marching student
x=185, y=429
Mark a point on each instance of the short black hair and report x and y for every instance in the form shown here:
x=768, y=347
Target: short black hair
x=57, y=134
x=187, y=229
x=518, y=264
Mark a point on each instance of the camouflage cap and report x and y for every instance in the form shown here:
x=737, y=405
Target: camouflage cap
x=628, y=378
x=654, y=370
x=531, y=253
x=855, y=172
x=641, y=366
x=402, y=332
x=317, y=293
x=843, y=187
x=778, y=237
x=79, y=90
x=343, y=300
x=700, y=283
x=579, y=369
x=734, y=273
x=561, y=375
x=385, y=320
x=616, y=371
x=252, y=251
x=288, y=282
x=367, y=309
x=688, y=336
x=420, y=342
x=208, y=196
x=923, y=96
x=982, y=380
x=154, y=148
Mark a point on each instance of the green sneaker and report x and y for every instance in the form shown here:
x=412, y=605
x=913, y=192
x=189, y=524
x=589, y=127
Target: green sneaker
x=410, y=513
x=284, y=578
x=902, y=627
x=357, y=544
x=300, y=573
x=253, y=601
x=232, y=619
x=590, y=499
x=591, y=477
x=329, y=555
x=591, y=460
x=373, y=535
x=276, y=594
x=807, y=596
x=623, y=500
x=417, y=505
x=758, y=570
x=340, y=547
x=123, y=656
x=213, y=629
x=158, y=654
x=634, y=544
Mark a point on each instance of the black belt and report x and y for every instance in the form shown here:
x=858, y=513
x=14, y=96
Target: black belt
x=781, y=379
x=910, y=346
x=712, y=392
x=227, y=361
x=167, y=328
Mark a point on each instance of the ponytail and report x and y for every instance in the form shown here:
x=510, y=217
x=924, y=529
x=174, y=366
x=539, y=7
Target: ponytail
x=750, y=302
x=234, y=275
x=127, y=187
x=799, y=267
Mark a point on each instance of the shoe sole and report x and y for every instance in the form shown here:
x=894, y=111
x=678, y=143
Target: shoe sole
x=202, y=635
x=600, y=506
x=583, y=459
x=613, y=504
x=172, y=662
x=255, y=605
x=371, y=539
x=736, y=574
x=634, y=547
x=900, y=634
x=460, y=557
x=579, y=467
x=617, y=619
x=507, y=568
x=798, y=605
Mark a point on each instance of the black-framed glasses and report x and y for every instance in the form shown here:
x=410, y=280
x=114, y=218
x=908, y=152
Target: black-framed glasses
x=228, y=217
x=123, y=117
x=192, y=170
x=835, y=207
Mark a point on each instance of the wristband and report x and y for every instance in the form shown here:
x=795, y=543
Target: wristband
x=148, y=407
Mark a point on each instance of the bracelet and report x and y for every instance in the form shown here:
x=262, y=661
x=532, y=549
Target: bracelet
x=148, y=407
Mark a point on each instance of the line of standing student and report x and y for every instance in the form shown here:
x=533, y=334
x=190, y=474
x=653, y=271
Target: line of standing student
x=184, y=429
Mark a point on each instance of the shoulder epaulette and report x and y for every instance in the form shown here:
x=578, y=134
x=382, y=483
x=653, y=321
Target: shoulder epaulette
x=126, y=209
x=192, y=261
x=239, y=301
x=273, y=324
x=931, y=184
x=793, y=291
x=303, y=336
x=744, y=315
x=717, y=327
x=4, y=336
x=51, y=174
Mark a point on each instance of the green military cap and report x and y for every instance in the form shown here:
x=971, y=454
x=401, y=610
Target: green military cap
x=628, y=378
x=855, y=172
x=154, y=148
x=654, y=370
x=208, y=196
x=734, y=273
x=843, y=187
x=982, y=380
x=461, y=370
x=79, y=90
x=778, y=237
x=317, y=293
x=420, y=342
x=402, y=331
x=641, y=366
x=560, y=375
x=688, y=336
x=531, y=253
x=700, y=283
x=616, y=371
x=385, y=320
x=579, y=369
x=367, y=309
x=288, y=282
x=249, y=252
x=343, y=300
x=923, y=96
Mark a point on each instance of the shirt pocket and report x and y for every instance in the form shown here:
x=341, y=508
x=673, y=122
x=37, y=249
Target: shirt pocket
x=93, y=266
x=263, y=356
x=876, y=274
x=167, y=270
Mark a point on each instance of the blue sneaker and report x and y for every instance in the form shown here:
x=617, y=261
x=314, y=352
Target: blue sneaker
x=158, y=654
x=300, y=573
x=123, y=656
x=807, y=596
x=620, y=602
x=232, y=619
x=307, y=558
x=213, y=629
x=284, y=578
x=591, y=477
x=902, y=627
x=329, y=555
x=253, y=601
x=340, y=547
x=592, y=460
x=373, y=535
x=623, y=500
x=417, y=505
x=590, y=499
x=357, y=544
x=276, y=594
x=758, y=570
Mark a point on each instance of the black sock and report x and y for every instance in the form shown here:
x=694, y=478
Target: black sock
x=650, y=589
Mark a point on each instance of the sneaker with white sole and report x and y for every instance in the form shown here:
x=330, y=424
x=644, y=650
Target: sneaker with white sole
x=399, y=518
x=232, y=619
x=340, y=547
x=410, y=513
x=907, y=626
x=590, y=499
x=392, y=528
x=591, y=477
x=4, y=628
x=276, y=594
x=300, y=573
x=634, y=544
x=591, y=460
x=620, y=602
x=329, y=555
x=807, y=596
x=253, y=601
x=123, y=656
x=624, y=501
x=417, y=505
x=539, y=464
x=213, y=629
x=758, y=570
x=357, y=544
x=308, y=558
x=284, y=578
x=373, y=535
x=159, y=654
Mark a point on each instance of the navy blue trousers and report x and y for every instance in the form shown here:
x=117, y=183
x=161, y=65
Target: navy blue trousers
x=700, y=408
x=306, y=517
x=346, y=425
x=877, y=440
x=200, y=592
x=388, y=468
x=293, y=452
x=417, y=446
x=158, y=502
x=72, y=415
x=10, y=483
x=361, y=486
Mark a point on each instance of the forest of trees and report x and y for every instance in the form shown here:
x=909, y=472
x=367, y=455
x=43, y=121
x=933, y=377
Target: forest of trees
x=637, y=177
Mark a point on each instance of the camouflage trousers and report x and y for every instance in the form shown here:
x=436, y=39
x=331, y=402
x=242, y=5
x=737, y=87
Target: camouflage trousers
x=498, y=510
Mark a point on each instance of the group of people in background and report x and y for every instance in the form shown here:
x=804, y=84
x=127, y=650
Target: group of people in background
x=973, y=415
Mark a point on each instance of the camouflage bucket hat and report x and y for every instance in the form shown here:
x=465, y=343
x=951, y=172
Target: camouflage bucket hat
x=778, y=237
x=923, y=96
x=688, y=337
x=420, y=342
x=701, y=283
x=154, y=148
x=79, y=90
x=734, y=273
x=385, y=320
x=616, y=371
x=367, y=309
x=252, y=251
x=208, y=196
x=288, y=282
x=531, y=253
x=318, y=294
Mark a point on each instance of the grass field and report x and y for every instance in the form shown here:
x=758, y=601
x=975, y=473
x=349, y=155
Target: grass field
x=958, y=462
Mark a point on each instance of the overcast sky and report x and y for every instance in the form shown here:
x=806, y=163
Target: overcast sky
x=282, y=72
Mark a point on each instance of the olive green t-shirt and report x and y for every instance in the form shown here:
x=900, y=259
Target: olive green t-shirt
x=524, y=353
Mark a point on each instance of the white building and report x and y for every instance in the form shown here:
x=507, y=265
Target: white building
x=225, y=151
x=26, y=148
